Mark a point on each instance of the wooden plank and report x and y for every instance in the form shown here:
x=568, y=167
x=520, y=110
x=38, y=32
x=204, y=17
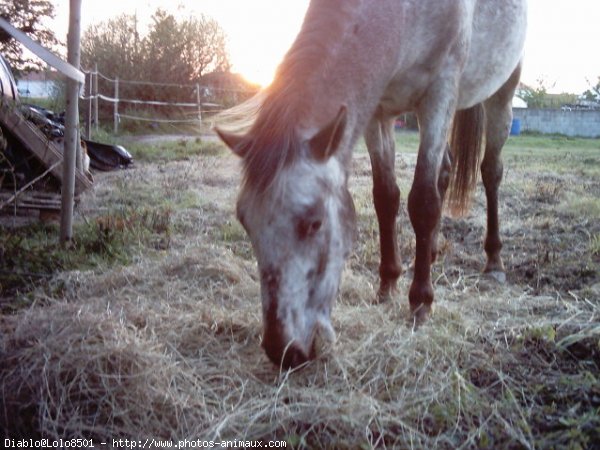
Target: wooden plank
x=45, y=150
x=35, y=200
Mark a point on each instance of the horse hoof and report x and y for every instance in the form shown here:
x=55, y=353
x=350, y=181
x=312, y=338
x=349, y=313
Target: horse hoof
x=496, y=275
x=386, y=293
x=383, y=297
x=421, y=314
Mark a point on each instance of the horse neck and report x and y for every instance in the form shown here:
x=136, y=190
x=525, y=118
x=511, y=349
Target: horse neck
x=325, y=25
x=330, y=65
x=310, y=63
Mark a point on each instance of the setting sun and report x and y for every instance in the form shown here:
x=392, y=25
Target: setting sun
x=259, y=33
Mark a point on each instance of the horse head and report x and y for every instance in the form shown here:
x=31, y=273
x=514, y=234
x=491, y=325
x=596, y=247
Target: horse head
x=298, y=213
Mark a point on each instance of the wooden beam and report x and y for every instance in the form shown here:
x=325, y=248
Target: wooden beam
x=33, y=200
x=46, y=151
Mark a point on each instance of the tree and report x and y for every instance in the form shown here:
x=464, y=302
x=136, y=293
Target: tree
x=173, y=51
x=116, y=46
x=163, y=50
x=593, y=94
x=184, y=51
x=535, y=97
x=29, y=16
x=204, y=47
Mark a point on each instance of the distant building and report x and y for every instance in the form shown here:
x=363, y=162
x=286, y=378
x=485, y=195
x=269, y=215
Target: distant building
x=38, y=84
x=518, y=102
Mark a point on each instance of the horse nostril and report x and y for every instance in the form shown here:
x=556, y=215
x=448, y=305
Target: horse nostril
x=281, y=350
x=288, y=357
x=293, y=357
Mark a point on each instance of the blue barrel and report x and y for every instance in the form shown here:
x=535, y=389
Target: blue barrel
x=515, y=128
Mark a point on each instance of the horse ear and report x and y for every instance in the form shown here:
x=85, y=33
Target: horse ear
x=326, y=142
x=233, y=141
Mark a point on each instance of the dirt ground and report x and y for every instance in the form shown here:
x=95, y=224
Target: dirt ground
x=545, y=246
x=499, y=366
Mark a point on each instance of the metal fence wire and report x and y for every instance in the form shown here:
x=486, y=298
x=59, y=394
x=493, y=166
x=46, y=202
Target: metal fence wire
x=130, y=104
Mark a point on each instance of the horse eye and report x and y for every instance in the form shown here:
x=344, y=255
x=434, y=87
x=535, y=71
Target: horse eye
x=308, y=228
x=314, y=226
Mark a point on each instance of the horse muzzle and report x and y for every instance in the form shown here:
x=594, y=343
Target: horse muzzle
x=288, y=353
x=284, y=353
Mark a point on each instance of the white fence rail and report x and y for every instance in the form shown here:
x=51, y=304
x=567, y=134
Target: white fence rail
x=202, y=99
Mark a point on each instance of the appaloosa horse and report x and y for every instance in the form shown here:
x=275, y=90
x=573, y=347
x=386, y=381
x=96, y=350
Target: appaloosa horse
x=355, y=66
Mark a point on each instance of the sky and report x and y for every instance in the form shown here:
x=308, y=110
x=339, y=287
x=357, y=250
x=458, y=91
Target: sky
x=563, y=36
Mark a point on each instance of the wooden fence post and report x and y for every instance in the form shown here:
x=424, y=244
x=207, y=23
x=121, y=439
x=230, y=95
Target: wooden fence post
x=95, y=94
x=71, y=143
x=199, y=101
x=116, y=107
x=88, y=122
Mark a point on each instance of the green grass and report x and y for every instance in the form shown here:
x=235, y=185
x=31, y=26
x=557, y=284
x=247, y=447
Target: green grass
x=594, y=245
x=32, y=255
x=583, y=205
x=52, y=103
x=406, y=142
x=556, y=153
x=525, y=144
x=182, y=149
x=497, y=367
x=104, y=136
x=138, y=220
x=232, y=234
x=551, y=141
x=161, y=150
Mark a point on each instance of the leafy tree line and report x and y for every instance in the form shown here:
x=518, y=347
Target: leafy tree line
x=31, y=17
x=171, y=51
x=535, y=97
x=538, y=97
x=180, y=51
x=593, y=94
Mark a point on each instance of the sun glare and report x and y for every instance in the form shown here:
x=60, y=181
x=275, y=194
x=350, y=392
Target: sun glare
x=259, y=71
x=259, y=33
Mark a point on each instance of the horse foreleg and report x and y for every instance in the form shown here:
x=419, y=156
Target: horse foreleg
x=424, y=208
x=426, y=194
x=379, y=138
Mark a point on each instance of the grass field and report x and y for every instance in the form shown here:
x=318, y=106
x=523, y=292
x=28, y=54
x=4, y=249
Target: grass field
x=150, y=326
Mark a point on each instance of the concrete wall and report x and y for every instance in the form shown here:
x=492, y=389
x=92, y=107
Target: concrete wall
x=570, y=123
x=36, y=88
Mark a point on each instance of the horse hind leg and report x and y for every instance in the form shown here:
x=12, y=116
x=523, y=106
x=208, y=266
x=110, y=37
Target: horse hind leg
x=498, y=110
x=379, y=138
x=443, y=183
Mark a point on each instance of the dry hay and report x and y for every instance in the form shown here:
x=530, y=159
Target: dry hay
x=169, y=348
